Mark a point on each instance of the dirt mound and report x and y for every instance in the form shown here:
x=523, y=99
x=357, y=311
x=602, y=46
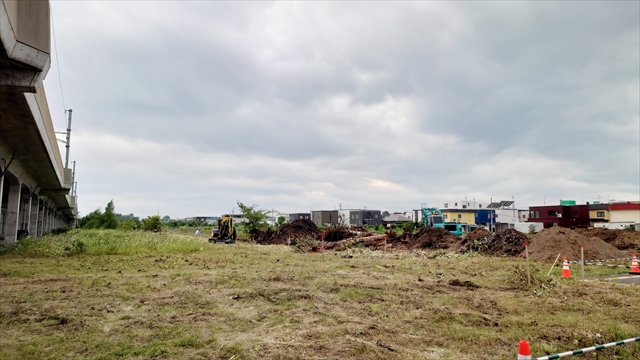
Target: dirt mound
x=477, y=240
x=509, y=242
x=436, y=238
x=335, y=233
x=287, y=232
x=621, y=239
x=546, y=245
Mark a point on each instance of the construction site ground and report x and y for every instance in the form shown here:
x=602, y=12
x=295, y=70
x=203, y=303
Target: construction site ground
x=178, y=297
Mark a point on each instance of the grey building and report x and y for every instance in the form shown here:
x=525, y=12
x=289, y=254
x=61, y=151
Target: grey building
x=359, y=217
x=299, y=216
x=325, y=217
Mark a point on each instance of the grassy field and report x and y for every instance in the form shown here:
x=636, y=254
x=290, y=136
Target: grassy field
x=112, y=295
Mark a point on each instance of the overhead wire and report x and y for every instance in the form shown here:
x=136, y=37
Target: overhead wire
x=55, y=47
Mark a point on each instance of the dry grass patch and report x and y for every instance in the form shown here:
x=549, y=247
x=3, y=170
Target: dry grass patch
x=247, y=301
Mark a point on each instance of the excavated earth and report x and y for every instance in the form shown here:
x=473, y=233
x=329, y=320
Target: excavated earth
x=547, y=244
x=508, y=242
x=435, y=238
x=621, y=239
x=288, y=233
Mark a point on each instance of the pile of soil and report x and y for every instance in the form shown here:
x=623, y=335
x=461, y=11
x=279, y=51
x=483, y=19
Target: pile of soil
x=546, y=245
x=335, y=233
x=288, y=232
x=402, y=241
x=508, y=242
x=621, y=239
x=477, y=240
x=436, y=238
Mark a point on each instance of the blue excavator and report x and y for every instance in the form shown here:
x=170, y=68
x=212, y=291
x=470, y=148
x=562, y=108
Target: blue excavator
x=432, y=217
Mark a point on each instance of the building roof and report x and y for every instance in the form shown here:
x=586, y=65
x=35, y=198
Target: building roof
x=396, y=218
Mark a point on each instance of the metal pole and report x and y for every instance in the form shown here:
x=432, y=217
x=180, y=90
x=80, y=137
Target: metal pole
x=66, y=162
x=73, y=176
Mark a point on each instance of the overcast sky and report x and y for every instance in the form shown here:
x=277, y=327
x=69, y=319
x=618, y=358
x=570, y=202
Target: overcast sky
x=183, y=108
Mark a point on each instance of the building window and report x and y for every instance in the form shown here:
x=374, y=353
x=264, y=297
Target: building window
x=357, y=216
x=574, y=212
x=533, y=214
x=444, y=216
x=480, y=206
x=456, y=204
x=552, y=213
x=446, y=205
x=600, y=213
x=376, y=216
x=459, y=216
x=464, y=206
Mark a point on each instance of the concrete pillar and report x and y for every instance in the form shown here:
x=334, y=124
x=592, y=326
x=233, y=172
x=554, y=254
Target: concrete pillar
x=45, y=218
x=48, y=228
x=33, y=215
x=13, y=213
x=1, y=193
x=40, y=218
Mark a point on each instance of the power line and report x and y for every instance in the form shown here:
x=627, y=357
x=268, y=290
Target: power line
x=55, y=46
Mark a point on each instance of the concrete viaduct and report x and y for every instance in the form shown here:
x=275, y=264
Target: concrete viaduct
x=34, y=184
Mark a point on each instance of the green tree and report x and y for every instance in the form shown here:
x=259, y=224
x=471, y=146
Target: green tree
x=109, y=220
x=385, y=214
x=93, y=220
x=255, y=218
x=281, y=220
x=166, y=218
x=152, y=223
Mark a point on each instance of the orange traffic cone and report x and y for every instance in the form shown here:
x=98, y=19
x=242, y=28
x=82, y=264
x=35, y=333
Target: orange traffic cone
x=566, y=272
x=523, y=350
x=634, y=266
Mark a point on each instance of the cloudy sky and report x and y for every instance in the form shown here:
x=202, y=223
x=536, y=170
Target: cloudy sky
x=183, y=108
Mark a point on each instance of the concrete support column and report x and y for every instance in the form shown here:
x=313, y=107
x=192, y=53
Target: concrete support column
x=45, y=219
x=40, y=218
x=1, y=193
x=49, y=219
x=13, y=213
x=33, y=215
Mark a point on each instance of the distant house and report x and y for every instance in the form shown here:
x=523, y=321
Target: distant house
x=576, y=216
x=325, y=217
x=299, y=216
x=598, y=213
x=625, y=212
x=395, y=218
x=358, y=217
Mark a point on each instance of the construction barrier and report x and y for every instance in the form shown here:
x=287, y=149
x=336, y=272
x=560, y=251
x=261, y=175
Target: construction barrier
x=586, y=350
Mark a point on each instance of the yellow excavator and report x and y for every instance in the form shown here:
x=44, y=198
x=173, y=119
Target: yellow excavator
x=225, y=233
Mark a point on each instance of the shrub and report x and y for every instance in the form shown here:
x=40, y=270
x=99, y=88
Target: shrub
x=152, y=223
x=60, y=230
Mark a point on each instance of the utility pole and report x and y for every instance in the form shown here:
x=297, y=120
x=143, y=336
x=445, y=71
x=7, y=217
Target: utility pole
x=73, y=176
x=66, y=162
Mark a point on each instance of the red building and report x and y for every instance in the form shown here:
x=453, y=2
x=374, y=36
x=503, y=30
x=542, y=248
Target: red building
x=576, y=216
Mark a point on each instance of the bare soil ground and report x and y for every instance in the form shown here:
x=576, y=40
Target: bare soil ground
x=621, y=239
x=546, y=245
x=269, y=302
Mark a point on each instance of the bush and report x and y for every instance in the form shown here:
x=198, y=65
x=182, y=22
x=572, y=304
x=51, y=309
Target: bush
x=152, y=223
x=60, y=230
x=129, y=224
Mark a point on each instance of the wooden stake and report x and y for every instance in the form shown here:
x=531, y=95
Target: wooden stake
x=582, y=259
x=322, y=248
x=554, y=263
x=385, y=243
x=526, y=253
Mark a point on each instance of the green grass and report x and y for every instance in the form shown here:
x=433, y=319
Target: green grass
x=134, y=295
x=105, y=242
